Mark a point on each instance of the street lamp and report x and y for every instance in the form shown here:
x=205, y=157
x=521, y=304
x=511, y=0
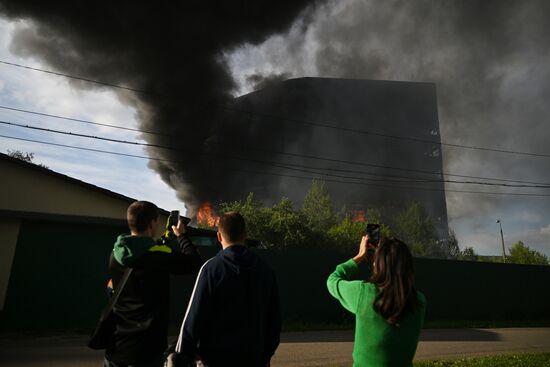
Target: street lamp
x=502, y=239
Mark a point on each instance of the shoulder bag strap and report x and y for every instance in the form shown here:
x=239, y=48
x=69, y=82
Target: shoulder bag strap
x=116, y=293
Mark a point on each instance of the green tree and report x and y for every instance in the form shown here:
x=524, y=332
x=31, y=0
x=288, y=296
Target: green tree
x=346, y=234
x=520, y=253
x=317, y=208
x=253, y=211
x=287, y=227
x=415, y=227
x=279, y=226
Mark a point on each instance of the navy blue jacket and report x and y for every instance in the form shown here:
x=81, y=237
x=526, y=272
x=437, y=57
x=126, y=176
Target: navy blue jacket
x=233, y=316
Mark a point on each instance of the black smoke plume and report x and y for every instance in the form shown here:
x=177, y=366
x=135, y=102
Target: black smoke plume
x=489, y=60
x=171, y=50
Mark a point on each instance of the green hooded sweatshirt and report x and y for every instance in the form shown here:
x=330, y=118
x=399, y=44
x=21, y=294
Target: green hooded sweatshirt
x=128, y=248
x=377, y=343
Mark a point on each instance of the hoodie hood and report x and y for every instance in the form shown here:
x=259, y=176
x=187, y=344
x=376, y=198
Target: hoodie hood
x=239, y=258
x=128, y=248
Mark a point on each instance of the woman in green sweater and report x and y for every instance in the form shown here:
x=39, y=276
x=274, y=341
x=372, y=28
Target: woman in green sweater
x=389, y=311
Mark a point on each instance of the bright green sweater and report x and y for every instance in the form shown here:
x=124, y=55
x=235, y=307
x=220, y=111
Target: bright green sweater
x=377, y=343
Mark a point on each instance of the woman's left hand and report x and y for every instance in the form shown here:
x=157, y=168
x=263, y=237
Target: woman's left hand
x=363, y=247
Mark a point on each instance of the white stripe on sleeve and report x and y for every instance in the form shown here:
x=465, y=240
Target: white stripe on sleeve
x=178, y=345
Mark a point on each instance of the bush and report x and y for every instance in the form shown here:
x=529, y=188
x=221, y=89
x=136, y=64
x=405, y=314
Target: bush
x=522, y=254
x=278, y=226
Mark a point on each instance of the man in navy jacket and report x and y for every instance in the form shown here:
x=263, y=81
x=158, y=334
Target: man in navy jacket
x=233, y=316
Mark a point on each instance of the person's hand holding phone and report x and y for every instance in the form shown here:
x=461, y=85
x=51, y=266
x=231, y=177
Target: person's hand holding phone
x=180, y=228
x=363, y=249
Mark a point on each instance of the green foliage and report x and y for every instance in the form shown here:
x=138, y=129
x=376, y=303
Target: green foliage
x=277, y=226
x=415, y=227
x=317, y=225
x=505, y=360
x=252, y=211
x=346, y=234
x=287, y=227
x=520, y=253
x=317, y=208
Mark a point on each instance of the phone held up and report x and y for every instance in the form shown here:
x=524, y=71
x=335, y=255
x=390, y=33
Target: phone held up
x=373, y=231
x=174, y=218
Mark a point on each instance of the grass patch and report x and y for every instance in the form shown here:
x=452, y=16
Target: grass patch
x=505, y=360
x=484, y=324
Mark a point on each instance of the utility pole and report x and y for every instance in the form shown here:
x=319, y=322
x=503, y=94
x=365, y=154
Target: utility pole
x=502, y=239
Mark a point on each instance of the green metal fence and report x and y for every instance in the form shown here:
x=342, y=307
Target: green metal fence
x=60, y=270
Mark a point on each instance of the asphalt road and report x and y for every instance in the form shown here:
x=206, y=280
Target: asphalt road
x=318, y=348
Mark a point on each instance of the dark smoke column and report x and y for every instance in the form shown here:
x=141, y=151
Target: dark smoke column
x=174, y=52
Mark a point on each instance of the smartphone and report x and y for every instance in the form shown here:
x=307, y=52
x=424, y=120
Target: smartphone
x=373, y=231
x=173, y=218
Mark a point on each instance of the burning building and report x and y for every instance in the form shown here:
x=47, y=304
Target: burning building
x=374, y=143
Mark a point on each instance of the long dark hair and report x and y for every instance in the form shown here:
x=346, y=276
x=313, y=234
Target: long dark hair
x=393, y=275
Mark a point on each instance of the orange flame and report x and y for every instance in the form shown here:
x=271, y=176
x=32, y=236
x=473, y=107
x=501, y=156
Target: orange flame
x=206, y=215
x=358, y=216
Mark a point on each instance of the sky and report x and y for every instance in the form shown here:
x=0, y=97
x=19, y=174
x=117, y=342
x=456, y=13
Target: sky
x=486, y=96
x=35, y=91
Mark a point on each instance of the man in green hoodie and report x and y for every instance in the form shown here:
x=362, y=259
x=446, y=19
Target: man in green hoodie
x=143, y=306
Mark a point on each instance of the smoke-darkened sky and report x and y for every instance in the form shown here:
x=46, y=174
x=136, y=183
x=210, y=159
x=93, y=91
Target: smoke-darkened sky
x=489, y=60
x=174, y=52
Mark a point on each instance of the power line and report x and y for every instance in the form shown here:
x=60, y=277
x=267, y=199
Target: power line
x=278, y=174
x=299, y=121
x=157, y=133
x=300, y=156
x=234, y=157
x=274, y=164
x=543, y=186
x=389, y=136
x=74, y=77
x=402, y=187
x=419, y=178
x=83, y=121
